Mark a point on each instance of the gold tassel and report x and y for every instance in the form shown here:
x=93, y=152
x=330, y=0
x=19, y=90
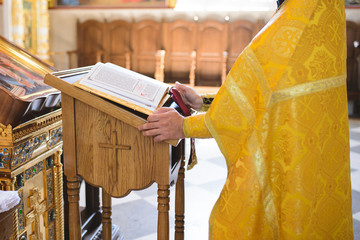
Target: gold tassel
x=192, y=159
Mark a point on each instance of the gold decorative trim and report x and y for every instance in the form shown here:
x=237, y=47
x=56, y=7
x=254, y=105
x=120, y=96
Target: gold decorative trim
x=23, y=174
x=58, y=185
x=240, y=100
x=36, y=124
x=307, y=88
x=14, y=225
x=5, y=134
x=5, y=131
x=265, y=186
x=257, y=68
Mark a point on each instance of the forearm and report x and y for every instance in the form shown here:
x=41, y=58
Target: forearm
x=195, y=127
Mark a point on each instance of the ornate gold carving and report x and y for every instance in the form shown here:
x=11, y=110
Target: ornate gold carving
x=23, y=154
x=5, y=131
x=55, y=136
x=7, y=185
x=58, y=185
x=36, y=124
x=38, y=209
x=6, y=134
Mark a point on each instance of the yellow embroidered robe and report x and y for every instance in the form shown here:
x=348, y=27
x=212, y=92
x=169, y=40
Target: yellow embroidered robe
x=281, y=121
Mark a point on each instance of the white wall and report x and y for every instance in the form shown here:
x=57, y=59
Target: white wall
x=63, y=21
x=353, y=14
x=1, y=21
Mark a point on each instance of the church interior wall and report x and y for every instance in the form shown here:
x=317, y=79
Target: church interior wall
x=353, y=14
x=63, y=21
x=2, y=20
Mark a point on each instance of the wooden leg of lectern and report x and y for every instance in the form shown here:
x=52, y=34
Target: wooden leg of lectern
x=180, y=204
x=73, y=189
x=163, y=212
x=106, y=216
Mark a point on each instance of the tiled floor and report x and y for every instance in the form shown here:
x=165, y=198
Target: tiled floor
x=136, y=214
x=355, y=173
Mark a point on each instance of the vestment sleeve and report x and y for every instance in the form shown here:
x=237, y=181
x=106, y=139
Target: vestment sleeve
x=207, y=100
x=195, y=127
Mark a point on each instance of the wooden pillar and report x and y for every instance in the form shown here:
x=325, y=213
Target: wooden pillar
x=73, y=190
x=180, y=203
x=58, y=189
x=163, y=212
x=106, y=216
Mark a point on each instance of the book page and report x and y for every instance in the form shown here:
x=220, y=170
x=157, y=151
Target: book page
x=126, y=84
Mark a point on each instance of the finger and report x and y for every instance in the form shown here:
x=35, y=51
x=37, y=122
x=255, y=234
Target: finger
x=157, y=139
x=147, y=126
x=162, y=110
x=180, y=87
x=178, y=84
x=153, y=118
x=160, y=138
x=156, y=117
x=152, y=132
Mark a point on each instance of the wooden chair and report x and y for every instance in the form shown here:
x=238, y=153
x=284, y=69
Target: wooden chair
x=211, y=54
x=117, y=43
x=146, y=42
x=241, y=33
x=90, y=42
x=179, y=43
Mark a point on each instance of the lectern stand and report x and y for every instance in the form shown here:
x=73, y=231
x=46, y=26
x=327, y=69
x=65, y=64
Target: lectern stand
x=103, y=145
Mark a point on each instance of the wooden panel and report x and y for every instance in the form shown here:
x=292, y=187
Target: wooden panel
x=179, y=42
x=117, y=47
x=90, y=41
x=211, y=45
x=240, y=34
x=203, y=51
x=69, y=135
x=146, y=40
x=117, y=170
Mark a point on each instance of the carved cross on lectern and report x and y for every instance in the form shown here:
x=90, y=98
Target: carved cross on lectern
x=114, y=147
x=38, y=209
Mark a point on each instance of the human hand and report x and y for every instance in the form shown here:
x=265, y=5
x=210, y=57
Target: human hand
x=164, y=124
x=189, y=96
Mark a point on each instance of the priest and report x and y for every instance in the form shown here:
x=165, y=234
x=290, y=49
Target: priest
x=281, y=121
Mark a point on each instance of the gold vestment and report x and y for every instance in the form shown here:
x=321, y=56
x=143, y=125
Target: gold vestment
x=281, y=121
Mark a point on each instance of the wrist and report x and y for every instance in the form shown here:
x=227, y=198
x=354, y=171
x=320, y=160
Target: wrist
x=198, y=103
x=181, y=130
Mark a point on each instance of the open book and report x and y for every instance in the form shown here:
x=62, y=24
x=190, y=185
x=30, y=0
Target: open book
x=126, y=87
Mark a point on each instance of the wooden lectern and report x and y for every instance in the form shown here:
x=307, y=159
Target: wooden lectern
x=103, y=145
